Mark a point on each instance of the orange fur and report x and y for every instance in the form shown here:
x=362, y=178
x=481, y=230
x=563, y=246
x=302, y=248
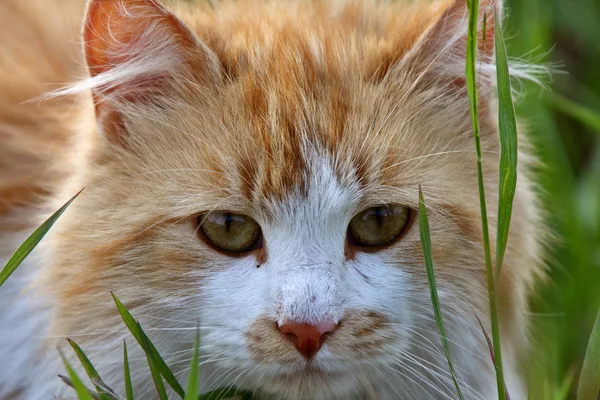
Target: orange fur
x=228, y=129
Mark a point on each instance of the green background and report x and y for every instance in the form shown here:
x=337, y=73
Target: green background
x=565, y=34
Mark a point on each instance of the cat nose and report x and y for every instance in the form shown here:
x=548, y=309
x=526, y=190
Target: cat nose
x=307, y=338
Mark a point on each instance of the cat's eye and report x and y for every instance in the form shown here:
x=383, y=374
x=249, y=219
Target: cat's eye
x=230, y=232
x=378, y=226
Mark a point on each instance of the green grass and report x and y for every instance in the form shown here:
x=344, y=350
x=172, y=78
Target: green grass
x=31, y=242
x=193, y=384
x=428, y=258
x=82, y=392
x=507, y=128
x=127, y=373
x=589, y=381
x=562, y=124
x=471, y=79
x=89, y=369
x=507, y=185
x=158, y=366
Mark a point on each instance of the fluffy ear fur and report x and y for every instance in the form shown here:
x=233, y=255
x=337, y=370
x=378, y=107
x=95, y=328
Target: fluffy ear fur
x=441, y=50
x=134, y=50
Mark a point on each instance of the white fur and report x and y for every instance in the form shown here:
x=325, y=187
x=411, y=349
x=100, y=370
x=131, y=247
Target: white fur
x=24, y=321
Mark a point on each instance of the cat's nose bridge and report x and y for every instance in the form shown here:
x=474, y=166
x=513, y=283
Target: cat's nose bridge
x=307, y=294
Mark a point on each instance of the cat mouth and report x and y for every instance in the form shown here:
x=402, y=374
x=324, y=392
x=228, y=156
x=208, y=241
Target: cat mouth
x=318, y=372
x=311, y=382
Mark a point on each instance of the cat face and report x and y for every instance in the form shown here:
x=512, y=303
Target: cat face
x=267, y=189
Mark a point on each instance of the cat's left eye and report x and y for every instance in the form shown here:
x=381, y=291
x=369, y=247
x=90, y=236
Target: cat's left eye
x=378, y=226
x=230, y=232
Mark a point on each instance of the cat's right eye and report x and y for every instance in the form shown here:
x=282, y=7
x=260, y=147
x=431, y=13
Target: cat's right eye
x=235, y=233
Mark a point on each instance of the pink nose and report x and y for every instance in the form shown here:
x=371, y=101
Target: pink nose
x=307, y=338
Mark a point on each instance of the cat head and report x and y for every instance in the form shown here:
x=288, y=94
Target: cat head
x=257, y=172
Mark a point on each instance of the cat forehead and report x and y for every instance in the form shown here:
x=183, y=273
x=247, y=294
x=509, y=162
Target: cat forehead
x=309, y=85
x=324, y=193
x=312, y=182
x=320, y=159
x=358, y=139
x=278, y=37
x=301, y=87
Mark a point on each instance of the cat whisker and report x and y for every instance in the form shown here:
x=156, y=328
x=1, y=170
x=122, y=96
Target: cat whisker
x=436, y=370
x=425, y=380
x=415, y=329
x=126, y=332
x=212, y=328
x=223, y=378
x=212, y=359
x=440, y=358
x=362, y=378
x=234, y=383
x=402, y=357
x=443, y=380
x=442, y=374
x=385, y=378
x=220, y=367
x=143, y=315
x=443, y=361
x=427, y=342
x=405, y=379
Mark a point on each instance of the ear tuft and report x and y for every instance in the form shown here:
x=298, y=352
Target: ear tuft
x=132, y=47
x=137, y=51
x=442, y=48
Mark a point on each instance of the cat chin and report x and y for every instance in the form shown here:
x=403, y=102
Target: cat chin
x=309, y=384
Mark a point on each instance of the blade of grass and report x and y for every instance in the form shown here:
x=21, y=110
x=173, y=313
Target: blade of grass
x=471, y=59
x=80, y=389
x=141, y=337
x=126, y=373
x=29, y=244
x=193, y=384
x=574, y=110
x=589, y=380
x=222, y=394
x=507, y=126
x=89, y=368
x=491, y=349
x=154, y=371
x=428, y=257
x=563, y=390
x=106, y=390
x=67, y=381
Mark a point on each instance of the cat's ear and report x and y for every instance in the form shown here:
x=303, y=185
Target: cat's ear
x=441, y=49
x=135, y=51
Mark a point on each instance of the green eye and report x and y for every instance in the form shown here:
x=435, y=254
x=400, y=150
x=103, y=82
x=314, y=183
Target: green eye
x=378, y=225
x=230, y=232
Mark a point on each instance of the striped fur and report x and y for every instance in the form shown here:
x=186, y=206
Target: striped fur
x=298, y=113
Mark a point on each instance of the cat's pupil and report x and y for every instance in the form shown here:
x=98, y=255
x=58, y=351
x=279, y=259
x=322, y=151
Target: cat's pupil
x=228, y=220
x=380, y=213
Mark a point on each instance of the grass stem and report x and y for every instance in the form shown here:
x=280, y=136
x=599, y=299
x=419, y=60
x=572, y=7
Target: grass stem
x=474, y=102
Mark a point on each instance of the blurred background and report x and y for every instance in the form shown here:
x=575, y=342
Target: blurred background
x=564, y=123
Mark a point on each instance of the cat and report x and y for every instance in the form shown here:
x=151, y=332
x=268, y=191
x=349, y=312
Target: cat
x=252, y=168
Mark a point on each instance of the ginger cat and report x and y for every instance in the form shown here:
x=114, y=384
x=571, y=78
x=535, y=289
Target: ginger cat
x=253, y=167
